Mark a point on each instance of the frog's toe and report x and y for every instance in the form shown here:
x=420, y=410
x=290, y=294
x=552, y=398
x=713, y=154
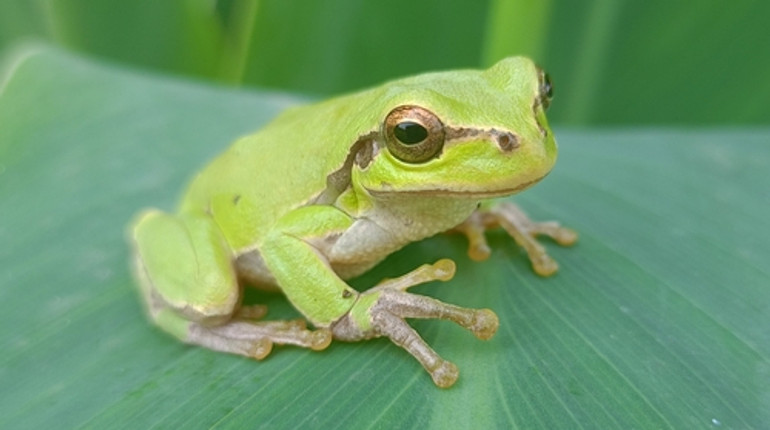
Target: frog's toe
x=484, y=324
x=562, y=235
x=320, y=339
x=544, y=265
x=256, y=339
x=252, y=312
x=260, y=348
x=473, y=229
x=479, y=251
x=233, y=339
x=295, y=332
x=565, y=236
x=445, y=374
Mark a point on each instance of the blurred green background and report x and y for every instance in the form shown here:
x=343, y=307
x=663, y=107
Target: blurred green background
x=613, y=62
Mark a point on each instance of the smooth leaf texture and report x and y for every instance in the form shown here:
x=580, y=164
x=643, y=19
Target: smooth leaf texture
x=657, y=319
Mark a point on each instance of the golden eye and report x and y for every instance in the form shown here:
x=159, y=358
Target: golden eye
x=413, y=134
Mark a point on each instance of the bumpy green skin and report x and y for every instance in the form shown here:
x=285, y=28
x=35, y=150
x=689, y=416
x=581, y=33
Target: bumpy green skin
x=298, y=205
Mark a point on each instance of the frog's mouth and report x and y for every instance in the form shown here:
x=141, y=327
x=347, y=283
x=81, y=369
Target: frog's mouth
x=463, y=194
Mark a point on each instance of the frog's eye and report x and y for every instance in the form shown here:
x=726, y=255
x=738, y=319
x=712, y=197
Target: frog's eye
x=413, y=134
x=546, y=89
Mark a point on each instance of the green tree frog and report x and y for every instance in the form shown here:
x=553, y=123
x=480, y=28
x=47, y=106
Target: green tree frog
x=328, y=190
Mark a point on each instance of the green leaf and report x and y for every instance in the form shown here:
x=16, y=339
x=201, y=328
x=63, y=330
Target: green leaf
x=657, y=319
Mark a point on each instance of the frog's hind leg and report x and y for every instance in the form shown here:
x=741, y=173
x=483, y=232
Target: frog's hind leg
x=185, y=272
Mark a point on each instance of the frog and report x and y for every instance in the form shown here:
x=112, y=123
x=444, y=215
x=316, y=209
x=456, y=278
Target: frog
x=327, y=190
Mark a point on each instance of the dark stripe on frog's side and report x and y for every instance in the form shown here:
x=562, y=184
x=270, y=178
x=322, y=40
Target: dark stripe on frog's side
x=506, y=140
x=361, y=153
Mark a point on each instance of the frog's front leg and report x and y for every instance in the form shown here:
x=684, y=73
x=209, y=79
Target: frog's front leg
x=185, y=272
x=309, y=282
x=522, y=229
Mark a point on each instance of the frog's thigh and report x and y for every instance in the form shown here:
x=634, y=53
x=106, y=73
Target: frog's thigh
x=184, y=265
x=185, y=269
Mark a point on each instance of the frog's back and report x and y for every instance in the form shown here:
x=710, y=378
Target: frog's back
x=286, y=165
x=283, y=166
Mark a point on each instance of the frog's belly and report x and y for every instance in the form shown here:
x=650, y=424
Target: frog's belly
x=252, y=270
x=367, y=241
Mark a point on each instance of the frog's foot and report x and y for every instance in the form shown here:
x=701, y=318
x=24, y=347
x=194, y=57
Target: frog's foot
x=256, y=338
x=522, y=229
x=392, y=304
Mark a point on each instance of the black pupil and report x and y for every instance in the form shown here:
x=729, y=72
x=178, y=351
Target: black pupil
x=410, y=133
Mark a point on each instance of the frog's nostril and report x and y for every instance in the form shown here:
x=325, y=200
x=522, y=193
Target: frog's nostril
x=507, y=141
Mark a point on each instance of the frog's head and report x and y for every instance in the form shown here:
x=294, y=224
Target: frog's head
x=469, y=133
